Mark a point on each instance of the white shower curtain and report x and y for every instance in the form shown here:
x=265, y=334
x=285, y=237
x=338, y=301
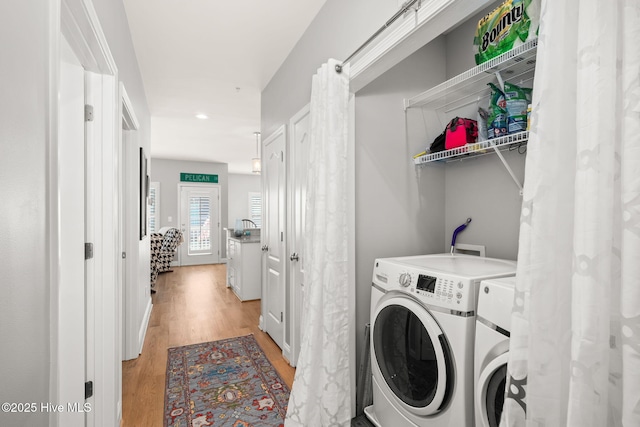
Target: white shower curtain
x=575, y=338
x=321, y=393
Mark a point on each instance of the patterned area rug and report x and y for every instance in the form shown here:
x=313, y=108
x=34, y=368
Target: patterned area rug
x=223, y=383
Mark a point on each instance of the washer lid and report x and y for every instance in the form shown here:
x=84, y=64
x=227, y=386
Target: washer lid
x=495, y=301
x=460, y=265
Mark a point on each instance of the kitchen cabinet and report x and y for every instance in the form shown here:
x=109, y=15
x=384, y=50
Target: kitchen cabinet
x=243, y=267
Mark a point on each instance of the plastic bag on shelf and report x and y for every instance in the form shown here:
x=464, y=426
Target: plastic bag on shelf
x=497, y=121
x=517, y=102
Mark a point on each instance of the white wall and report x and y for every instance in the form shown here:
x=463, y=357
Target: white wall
x=25, y=303
x=113, y=20
x=240, y=185
x=167, y=173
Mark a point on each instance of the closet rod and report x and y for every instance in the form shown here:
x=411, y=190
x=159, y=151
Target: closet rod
x=398, y=14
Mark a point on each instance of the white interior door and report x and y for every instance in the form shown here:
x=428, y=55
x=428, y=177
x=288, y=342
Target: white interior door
x=273, y=238
x=298, y=158
x=71, y=204
x=200, y=224
x=136, y=297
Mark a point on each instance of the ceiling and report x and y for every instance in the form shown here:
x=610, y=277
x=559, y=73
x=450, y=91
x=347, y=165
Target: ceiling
x=211, y=57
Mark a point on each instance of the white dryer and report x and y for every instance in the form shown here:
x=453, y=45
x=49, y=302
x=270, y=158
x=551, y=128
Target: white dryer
x=493, y=328
x=422, y=334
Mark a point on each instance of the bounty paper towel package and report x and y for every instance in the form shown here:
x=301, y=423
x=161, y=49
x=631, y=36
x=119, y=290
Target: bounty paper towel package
x=510, y=25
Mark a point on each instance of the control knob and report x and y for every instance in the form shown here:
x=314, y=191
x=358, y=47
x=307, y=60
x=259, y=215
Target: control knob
x=404, y=280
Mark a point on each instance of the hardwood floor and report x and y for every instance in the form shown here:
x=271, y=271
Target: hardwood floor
x=192, y=305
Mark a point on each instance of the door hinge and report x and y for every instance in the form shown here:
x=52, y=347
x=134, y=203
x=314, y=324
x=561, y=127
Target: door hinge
x=124, y=255
x=88, y=113
x=282, y=236
x=88, y=251
x=282, y=156
x=281, y=317
x=88, y=389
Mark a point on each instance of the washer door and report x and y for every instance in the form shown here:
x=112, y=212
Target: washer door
x=491, y=390
x=410, y=352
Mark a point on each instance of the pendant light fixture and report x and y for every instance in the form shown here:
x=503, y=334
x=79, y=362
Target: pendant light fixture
x=256, y=166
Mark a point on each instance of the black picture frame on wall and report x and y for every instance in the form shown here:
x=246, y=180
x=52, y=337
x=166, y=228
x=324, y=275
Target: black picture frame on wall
x=144, y=193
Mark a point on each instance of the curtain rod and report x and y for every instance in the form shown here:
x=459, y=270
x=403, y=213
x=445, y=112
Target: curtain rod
x=398, y=14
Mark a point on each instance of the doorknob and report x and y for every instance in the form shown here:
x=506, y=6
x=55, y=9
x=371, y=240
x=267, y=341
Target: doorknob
x=294, y=257
x=265, y=248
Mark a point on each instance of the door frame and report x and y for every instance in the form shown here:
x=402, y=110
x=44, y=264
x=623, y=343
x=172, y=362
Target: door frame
x=219, y=225
x=78, y=21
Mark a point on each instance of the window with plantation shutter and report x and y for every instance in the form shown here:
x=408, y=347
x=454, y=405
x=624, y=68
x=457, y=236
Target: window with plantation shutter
x=199, y=224
x=255, y=208
x=153, y=207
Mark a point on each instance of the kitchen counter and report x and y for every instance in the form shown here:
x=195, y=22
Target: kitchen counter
x=254, y=237
x=245, y=239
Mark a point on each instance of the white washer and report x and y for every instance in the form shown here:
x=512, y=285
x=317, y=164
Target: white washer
x=493, y=328
x=422, y=334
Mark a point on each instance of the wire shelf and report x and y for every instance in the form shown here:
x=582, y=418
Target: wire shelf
x=514, y=63
x=474, y=150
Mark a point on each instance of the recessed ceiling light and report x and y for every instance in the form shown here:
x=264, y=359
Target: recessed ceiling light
x=202, y=116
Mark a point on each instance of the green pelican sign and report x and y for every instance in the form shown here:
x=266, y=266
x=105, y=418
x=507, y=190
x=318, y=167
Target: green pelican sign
x=198, y=177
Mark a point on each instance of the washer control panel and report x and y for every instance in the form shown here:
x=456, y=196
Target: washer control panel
x=404, y=280
x=440, y=280
x=446, y=291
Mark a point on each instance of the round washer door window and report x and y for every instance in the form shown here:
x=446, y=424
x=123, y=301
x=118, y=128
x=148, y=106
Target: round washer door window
x=412, y=355
x=494, y=399
x=490, y=391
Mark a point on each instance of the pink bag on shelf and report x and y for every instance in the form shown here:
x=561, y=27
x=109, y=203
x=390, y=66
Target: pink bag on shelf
x=460, y=132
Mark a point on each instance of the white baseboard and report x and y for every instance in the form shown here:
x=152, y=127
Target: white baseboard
x=145, y=324
x=286, y=354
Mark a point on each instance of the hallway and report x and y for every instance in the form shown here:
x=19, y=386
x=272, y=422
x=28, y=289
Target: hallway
x=192, y=305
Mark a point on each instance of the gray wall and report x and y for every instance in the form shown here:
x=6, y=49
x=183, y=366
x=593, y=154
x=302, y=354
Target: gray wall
x=240, y=185
x=336, y=32
x=481, y=188
x=24, y=306
x=167, y=173
x=400, y=209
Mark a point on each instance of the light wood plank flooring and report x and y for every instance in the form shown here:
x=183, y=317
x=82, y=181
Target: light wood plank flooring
x=192, y=305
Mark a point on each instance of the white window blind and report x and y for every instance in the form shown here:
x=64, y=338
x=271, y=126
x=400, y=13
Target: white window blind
x=199, y=224
x=153, y=212
x=255, y=208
